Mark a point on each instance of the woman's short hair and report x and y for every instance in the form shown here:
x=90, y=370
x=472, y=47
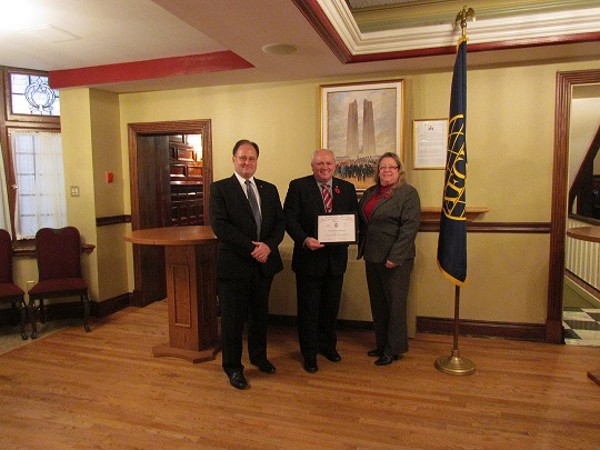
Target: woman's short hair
x=401, y=169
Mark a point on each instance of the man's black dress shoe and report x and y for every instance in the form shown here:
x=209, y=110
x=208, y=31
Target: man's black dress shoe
x=237, y=379
x=265, y=366
x=310, y=365
x=375, y=352
x=385, y=358
x=331, y=355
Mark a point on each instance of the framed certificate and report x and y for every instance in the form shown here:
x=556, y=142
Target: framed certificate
x=337, y=228
x=430, y=140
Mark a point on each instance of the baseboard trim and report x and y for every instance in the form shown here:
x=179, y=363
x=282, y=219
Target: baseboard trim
x=291, y=321
x=74, y=309
x=436, y=325
x=507, y=330
x=111, y=306
x=587, y=291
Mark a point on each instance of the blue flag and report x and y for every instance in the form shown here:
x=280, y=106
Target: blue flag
x=452, y=244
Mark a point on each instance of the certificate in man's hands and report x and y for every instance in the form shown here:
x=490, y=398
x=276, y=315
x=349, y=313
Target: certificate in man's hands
x=337, y=228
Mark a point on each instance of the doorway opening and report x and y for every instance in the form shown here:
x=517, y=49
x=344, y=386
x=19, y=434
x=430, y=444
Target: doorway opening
x=565, y=83
x=170, y=167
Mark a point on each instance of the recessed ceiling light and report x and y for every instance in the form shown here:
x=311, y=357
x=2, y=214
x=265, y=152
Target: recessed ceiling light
x=279, y=49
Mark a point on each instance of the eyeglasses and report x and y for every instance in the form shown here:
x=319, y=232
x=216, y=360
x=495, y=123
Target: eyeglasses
x=250, y=159
x=382, y=168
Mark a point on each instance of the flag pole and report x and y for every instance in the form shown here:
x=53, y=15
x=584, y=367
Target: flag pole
x=455, y=364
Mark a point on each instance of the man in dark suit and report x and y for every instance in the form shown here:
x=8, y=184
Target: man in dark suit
x=247, y=218
x=319, y=268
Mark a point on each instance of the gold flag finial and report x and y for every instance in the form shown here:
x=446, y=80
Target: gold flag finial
x=463, y=17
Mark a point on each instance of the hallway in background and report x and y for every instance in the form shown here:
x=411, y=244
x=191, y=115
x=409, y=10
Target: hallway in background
x=581, y=314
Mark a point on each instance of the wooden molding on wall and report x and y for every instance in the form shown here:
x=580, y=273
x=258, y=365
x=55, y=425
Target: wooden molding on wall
x=493, y=227
x=507, y=330
x=437, y=325
x=112, y=220
x=432, y=213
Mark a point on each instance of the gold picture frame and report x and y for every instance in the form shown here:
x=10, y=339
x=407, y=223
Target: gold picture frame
x=359, y=123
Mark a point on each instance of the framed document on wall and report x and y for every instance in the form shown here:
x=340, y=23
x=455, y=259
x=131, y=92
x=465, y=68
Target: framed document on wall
x=430, y=140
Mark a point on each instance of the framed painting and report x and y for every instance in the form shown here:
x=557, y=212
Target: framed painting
x=359, y=123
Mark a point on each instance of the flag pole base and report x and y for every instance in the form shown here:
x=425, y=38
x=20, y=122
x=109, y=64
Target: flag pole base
x=455, y=364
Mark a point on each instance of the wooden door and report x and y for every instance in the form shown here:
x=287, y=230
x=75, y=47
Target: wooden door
x=151, y=196
x=153, y=191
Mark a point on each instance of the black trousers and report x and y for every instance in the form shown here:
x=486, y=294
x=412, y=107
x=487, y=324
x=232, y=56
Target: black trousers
x=388, y=293
x=243, y=300
x=318, y=306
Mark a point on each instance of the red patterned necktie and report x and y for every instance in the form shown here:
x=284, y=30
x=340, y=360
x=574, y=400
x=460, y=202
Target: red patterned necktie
x=327, y=201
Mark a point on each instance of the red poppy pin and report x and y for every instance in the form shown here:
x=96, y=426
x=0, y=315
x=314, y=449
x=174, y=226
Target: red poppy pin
x=336, y=190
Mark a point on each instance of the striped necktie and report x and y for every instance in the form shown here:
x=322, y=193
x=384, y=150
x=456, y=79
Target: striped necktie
x=253, y=206
x=327, y=200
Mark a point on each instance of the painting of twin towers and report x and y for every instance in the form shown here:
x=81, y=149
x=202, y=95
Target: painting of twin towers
x=360, y=123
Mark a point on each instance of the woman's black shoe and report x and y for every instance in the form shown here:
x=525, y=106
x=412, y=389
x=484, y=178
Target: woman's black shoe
x=385, y=359
x=375, y=352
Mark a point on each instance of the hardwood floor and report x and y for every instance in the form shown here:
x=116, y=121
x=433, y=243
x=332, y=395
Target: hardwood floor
x=105, y=390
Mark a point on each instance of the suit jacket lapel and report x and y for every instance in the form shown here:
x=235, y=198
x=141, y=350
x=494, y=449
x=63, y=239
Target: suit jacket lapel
x=259, y=188
x=380, y=203
x=315, y=192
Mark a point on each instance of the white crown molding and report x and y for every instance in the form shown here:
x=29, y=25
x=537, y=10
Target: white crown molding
x=524, y=27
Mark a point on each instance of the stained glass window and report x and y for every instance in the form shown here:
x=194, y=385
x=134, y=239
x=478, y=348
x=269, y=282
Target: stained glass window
x=31, y=95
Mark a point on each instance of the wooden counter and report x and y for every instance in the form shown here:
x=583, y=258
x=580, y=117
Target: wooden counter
x=190, y=266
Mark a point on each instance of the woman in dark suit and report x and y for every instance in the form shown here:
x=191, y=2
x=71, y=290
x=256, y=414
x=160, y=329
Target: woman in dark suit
x=390, y=214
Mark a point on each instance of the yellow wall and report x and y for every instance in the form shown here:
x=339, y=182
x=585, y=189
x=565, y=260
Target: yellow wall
x=510, y=123
x=111, y=249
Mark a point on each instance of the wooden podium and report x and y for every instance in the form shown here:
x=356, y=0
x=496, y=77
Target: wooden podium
x=190, y=266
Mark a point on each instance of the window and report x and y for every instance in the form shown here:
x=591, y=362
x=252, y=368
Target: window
x=32, y=195
x=30, y=94
x=39, y=174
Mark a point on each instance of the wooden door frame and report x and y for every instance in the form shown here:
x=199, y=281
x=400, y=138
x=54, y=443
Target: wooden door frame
x=202, y=127
x=135, y=130
x=560, y=174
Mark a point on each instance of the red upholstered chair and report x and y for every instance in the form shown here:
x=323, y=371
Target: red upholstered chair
x=10, y=292
x=58, y=254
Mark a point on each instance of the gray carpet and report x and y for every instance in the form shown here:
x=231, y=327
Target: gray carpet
x=10, y=335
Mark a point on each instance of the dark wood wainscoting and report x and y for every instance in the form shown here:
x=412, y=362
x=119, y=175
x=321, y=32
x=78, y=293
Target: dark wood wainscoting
x=112, y=220
x=479, y=328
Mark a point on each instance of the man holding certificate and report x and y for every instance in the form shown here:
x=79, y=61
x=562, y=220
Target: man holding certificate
x=320, y=215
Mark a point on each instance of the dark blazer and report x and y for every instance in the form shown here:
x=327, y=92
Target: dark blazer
x=394, y=225
x=303, y=203
x=233, y=224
